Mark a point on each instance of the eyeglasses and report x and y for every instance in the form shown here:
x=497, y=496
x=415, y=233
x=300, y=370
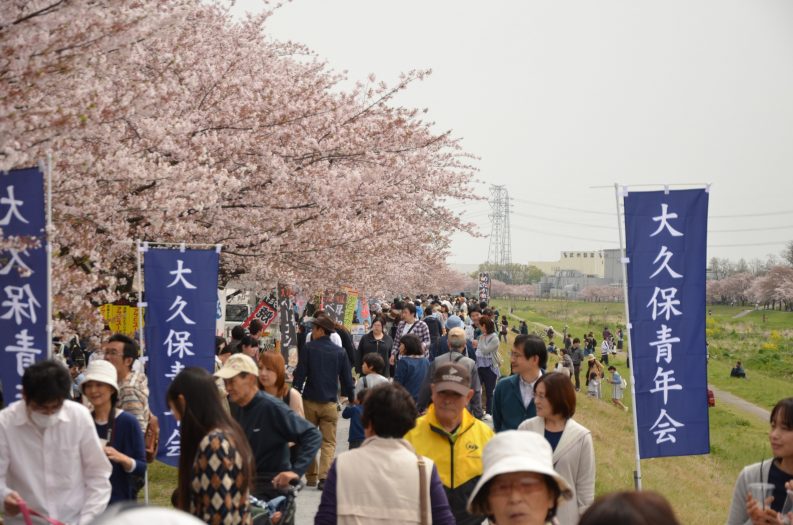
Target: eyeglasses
x=101, y=354
x=524, y=486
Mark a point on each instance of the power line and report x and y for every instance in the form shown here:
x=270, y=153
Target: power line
x=558, y=221
x=753, y=229
x=767, y=214
x=578, y=210
x=551, y=234
x=778, y=243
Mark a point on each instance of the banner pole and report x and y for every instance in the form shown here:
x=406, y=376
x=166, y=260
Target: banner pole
x=48, y=249
x=637, y=474
x=142, y=346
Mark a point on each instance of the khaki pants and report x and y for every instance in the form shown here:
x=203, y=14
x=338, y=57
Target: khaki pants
x=324, y=416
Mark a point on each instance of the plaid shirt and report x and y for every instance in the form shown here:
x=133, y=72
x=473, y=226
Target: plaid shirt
x=420, y=329
x=133, y=397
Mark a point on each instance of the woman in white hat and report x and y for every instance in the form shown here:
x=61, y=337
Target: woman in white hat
x=118, y=431
x=571, y=442
x=519, y=485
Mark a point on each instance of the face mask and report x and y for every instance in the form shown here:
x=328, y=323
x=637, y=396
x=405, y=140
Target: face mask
x=44, y=421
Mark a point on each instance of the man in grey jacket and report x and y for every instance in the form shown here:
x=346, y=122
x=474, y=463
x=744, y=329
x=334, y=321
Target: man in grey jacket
x=577, y=355
x=456, y=354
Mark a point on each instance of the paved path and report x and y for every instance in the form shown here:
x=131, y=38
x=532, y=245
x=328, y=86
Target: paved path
x=742, y=314
x=308, y=499
x=740, y=403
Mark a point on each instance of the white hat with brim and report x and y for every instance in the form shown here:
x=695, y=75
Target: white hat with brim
x=517, y=451
x=100, y=371
x=236, y=365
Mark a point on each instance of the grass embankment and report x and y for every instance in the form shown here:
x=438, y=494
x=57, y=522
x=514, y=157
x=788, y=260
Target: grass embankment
x=698, y=487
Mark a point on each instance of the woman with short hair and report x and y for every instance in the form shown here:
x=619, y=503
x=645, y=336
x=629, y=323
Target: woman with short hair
x=412, y=367
x=519, y=485
x=573, y=452
x=382, y=480
x=376, y=341
x=215, y=462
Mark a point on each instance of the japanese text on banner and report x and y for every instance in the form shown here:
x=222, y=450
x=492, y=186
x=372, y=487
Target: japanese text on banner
x=665, y=244
x=181, y=304
x=23, y=278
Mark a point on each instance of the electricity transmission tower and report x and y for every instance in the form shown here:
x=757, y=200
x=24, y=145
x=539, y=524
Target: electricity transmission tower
x=500, y=251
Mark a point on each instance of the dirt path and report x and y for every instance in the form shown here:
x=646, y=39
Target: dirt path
x=742, y=314
x=740, y=403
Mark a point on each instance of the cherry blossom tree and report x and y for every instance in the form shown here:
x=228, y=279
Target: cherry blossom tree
x=172, y=122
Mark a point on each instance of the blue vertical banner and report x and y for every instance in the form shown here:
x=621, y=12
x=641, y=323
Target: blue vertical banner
x=666, y=243
x=23, y=278
x=180, y=289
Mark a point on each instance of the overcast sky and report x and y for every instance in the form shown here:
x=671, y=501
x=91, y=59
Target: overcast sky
x=559, y=97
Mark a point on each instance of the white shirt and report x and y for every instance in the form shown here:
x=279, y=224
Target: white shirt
x=527, y=390
x=60, y=471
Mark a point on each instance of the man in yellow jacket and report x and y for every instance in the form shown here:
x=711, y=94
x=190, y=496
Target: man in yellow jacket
x=453, y=438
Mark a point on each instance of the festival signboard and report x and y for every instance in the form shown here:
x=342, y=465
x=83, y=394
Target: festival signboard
x=266, y=311
x=666, y=243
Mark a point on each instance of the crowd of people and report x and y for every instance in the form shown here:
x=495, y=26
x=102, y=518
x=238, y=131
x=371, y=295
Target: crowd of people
x=436, y=434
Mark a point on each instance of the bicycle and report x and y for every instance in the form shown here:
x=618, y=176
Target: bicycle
x=277, y=511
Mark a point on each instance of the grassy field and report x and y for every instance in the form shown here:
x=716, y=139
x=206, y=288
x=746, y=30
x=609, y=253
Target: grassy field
x=737, y=439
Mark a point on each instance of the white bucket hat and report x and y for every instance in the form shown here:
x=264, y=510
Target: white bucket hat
x=518, y=451
x=101, y=371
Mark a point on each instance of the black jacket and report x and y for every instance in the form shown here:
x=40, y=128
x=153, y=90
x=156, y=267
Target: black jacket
x=382, y=347
x=270, y=425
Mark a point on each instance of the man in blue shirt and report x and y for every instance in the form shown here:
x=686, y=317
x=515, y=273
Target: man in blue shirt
x=321, y=366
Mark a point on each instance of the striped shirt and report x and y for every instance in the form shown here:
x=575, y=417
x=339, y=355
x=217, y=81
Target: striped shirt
x=133, y=397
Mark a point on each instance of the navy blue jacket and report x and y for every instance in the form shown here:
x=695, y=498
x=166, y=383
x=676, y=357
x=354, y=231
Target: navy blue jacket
x=321, y=367
x=270, y=425
x=127, y=438
x=410, y=373
x=353, y=413
x=508, y=409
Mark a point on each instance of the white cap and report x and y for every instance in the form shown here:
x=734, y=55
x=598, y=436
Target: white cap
x=518, y=451
x=237, y=364
x=101, y=371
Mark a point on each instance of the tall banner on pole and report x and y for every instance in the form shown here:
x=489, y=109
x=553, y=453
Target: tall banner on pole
x=484, y=287
x=181, y=302
x=24, y=296
x=286, y=321
x=665, y=247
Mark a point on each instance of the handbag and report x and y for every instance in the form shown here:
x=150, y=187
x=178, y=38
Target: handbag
x=28, y=513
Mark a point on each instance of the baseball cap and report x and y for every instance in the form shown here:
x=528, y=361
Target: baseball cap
x=237, y=364
x=452, y=377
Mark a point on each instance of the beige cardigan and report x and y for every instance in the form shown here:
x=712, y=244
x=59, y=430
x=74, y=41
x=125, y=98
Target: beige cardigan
x=574, y=460
x=379, y=483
